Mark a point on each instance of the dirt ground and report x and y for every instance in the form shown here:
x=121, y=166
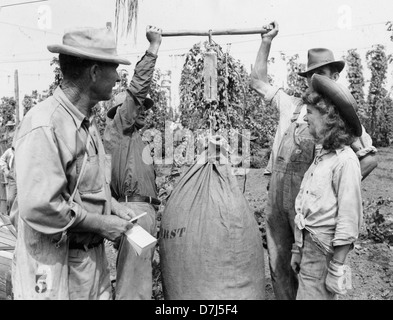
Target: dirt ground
x=371, y=260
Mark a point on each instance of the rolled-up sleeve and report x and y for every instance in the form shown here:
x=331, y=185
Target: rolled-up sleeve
x=42, y=161
x=363, y=145
x=350, y=211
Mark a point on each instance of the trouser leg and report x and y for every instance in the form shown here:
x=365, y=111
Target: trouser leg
x=313, y=272
x=89, y=274
x=280, y=237
x=134, y=274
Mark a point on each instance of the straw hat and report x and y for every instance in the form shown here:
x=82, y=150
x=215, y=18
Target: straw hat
x=341, y=98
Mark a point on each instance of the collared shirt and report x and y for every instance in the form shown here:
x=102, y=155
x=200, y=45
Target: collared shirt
x=49, y=151
x=132, y=165
x=329, y=203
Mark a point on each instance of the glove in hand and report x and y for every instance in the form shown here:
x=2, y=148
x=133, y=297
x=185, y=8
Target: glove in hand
x=338, y=279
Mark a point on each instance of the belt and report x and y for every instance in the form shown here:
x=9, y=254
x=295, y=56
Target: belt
x=82, y=246
x=150, y=200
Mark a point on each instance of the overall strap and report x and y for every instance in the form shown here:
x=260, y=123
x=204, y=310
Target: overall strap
x=82, y=169
x=297, y=111
x=63, y=237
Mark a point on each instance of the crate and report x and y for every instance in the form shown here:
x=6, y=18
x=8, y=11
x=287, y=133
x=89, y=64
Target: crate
x=7, y=246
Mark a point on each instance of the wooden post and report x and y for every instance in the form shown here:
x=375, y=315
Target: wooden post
x=16, y=98
x=179, y=33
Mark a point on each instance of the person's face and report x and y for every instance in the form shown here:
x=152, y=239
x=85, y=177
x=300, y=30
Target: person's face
x=316, y=122
x=106, y=77
x=141, y=114
x=323, y=71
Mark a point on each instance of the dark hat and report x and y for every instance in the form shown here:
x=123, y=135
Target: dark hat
x=90, y=43
x=341, y=98
x=319, y=57
x=121, y=97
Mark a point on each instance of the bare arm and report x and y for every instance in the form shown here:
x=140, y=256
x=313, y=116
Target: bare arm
x=341, y=252
x=367, y=164
x=259, y=78
x=108, y=226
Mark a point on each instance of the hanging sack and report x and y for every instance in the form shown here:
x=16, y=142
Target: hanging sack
x=209, y=240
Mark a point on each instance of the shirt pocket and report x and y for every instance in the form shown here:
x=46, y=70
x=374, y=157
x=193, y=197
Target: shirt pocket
x=319, y=186
x=92, y=179
x=321, y=182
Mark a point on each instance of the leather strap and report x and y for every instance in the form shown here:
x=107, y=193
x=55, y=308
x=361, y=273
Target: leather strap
x=146, y=199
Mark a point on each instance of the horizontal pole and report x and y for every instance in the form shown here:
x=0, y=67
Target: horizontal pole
x=178, y=33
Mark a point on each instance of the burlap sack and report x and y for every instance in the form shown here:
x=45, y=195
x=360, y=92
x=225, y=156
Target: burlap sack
x=210, y=244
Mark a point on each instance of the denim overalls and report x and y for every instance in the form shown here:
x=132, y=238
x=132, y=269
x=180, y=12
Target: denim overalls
x=294, y=156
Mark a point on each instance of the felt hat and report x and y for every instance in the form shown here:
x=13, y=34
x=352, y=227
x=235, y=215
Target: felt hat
x=121, y=97
x=97, y=44
x=319, y=57
x=341, y=98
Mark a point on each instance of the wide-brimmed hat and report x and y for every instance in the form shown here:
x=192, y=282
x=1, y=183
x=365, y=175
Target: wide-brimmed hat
x=319, y=57
x=341, y=97
x=121, y=97
x=90, y=43
x=9, y=124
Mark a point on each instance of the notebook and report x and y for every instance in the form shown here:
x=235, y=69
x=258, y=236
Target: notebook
x=140, y=239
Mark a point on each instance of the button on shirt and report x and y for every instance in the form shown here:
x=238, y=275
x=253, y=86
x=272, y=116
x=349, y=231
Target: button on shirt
x=49, y=153
x=329, y=203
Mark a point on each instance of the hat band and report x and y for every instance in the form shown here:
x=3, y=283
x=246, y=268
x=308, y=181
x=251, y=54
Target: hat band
x=108, y=51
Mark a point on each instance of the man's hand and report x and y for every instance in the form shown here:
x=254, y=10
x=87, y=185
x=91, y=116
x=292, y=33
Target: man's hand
x=296, y=258
x=154, y=36
x=113, y=227
x=273, y=31
x=122, y=211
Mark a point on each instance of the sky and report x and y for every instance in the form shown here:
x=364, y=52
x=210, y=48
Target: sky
x=27, y=29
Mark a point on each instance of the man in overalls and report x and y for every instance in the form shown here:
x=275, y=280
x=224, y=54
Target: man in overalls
x=292, y=154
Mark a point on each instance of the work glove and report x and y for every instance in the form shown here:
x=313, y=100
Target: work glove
x=338, y=279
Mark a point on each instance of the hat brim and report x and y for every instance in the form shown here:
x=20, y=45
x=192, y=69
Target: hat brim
x=339, y=65
x=342, y=99
x=147, y=104
x=72, y=51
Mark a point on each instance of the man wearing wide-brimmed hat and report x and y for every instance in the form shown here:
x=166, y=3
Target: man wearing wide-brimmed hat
x=133, y=175
x=63, y=206
x=292, y=153
x=329, y=204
